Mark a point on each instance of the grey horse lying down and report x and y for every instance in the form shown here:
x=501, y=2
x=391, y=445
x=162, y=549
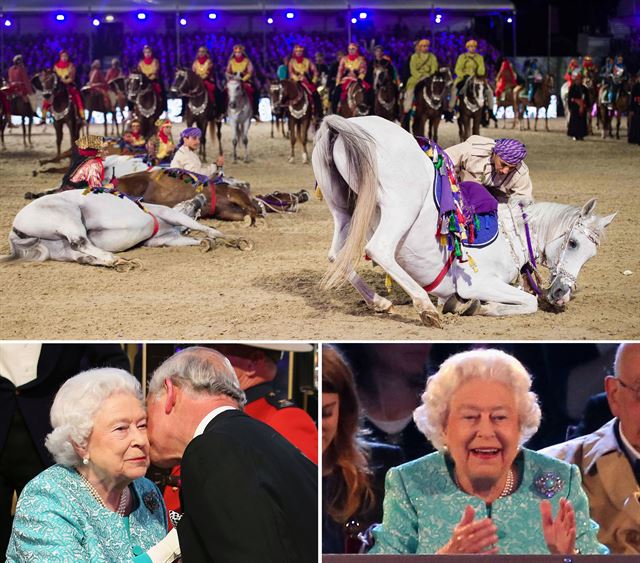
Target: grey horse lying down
x=88, y=229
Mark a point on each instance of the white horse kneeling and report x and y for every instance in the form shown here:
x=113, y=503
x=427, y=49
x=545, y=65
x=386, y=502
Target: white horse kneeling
x=394, y=221
x=88, y=229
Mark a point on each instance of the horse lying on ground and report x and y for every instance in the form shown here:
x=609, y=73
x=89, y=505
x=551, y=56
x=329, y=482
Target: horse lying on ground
x=88, y=229
x=394, y=221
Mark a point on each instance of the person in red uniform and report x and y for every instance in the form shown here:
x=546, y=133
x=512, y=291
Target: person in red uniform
x=506, y=78
x=256, y=368
x=86, y=170
x=303, y=70
x=66, y=71
x=352, y=68
x=97, y=81
x=20, y=83
x=203, y=67
x=573, y=65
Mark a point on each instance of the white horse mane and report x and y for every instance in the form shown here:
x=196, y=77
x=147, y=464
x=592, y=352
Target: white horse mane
x=553, y=219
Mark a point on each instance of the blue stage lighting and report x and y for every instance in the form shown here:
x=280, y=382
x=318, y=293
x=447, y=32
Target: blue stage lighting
x=363, y=15
x=353, y=20
x=509, y=20
x=290, y=15
x=212, y=15
x=438, y=18
x=183, y=21
x=109, y=18
x=60, y=17
x=7, y=23
x=142, y=16
x=96, y=22
x=269, y=21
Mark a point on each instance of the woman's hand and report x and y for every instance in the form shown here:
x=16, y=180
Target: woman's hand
x=559, y=533
x=471, y=536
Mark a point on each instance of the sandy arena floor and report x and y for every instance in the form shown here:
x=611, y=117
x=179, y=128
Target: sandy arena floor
x=272, y=292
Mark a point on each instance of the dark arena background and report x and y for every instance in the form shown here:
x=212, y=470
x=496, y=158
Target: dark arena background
x=273, y=291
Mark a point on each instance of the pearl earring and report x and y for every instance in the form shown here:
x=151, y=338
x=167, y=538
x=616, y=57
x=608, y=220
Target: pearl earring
x=85, y=461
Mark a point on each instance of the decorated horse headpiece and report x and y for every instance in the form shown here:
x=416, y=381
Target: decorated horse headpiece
x=90, y=142
x=471, y=43
x=511, y=151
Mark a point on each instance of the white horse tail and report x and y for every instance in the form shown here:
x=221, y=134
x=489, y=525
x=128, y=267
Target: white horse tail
x=362, y=180
x=25, y=249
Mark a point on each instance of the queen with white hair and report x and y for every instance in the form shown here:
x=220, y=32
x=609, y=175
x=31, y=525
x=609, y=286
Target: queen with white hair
x=95, y=504
x=483, y=492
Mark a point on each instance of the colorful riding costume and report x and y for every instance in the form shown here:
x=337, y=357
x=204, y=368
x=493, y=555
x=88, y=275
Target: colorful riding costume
x=589, y=69
x=573, y=65
x=352, y=68
x=302, y=69
x=160, y=146
x=240, y=66
x=150, y=67
x=506, y=77
x=617, y=78
x=203, y=67
x=468, y=65
x=474, y=161
x=19, y=81
x=114, y=73
x=66, y=72
x=133, y=141
x=534, y=78
x=98, y=82
x=86, y=169
x=422, y=64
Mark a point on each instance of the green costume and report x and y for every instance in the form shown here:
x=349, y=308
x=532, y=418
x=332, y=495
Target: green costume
x=469, y=64
x=421, y=65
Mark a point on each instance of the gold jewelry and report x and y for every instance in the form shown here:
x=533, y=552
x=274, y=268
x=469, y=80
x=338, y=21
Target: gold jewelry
x=95, y=142
x=122, y=504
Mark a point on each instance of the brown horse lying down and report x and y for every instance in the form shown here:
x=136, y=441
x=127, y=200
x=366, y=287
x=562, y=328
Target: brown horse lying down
x=160, y=187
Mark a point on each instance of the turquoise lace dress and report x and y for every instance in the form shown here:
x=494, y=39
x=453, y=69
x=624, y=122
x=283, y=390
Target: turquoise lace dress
x=422, y=505
x=57, y=519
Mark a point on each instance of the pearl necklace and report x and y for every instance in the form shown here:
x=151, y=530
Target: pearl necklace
x=509, y=485
x=122, y=504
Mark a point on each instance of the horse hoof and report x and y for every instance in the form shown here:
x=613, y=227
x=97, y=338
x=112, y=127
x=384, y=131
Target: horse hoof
x=206, y=245
x=123, y=265
x=291, y=160
x=381, y=304
x=247, y=221
x=431, y=317
x=244, y=244
x=29, y=195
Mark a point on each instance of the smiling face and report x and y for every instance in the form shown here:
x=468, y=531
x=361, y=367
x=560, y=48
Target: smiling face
x=330, y=418
x=118, y=447
x=482, y=432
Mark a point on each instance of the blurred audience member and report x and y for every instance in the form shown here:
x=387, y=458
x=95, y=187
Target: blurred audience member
x=353, y=469
x=609, y=458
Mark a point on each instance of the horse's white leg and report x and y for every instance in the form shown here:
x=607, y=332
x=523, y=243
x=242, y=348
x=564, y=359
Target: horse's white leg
x=169, y=218
x=245, y=138
x=381, y=248
x=500, y=299
x=378, y=303
x=173, y=238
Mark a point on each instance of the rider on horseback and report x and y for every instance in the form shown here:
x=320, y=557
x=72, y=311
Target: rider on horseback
x=573, y=65
x=97, y=81
x=150, y=67
x=203, y=67
x=470, y=64
x=86, y=169
x=186, y=156
x=615, y=79
x=534, y=78
x=506, y=77
x=422, y=64
x=496, y=164
x=66, y=72
x=160, y=147
x=302, y=69
x=20, y=83
x=352, y=68
x=240, y=66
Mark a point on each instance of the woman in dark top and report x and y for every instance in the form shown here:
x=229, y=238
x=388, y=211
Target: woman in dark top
x=578, y=108
x=353, y=470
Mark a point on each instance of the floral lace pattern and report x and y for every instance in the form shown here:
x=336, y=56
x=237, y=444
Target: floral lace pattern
x=422, y=506
x=57, y=519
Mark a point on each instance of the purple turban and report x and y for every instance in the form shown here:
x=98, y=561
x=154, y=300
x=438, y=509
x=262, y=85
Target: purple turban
x=511, y=151
x=191, y=132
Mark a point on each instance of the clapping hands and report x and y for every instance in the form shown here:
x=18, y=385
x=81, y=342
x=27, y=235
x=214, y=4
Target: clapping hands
x=559, y=533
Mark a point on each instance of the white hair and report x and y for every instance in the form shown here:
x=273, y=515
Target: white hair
x=201, y=371
x=75, y=407
x=431, y=416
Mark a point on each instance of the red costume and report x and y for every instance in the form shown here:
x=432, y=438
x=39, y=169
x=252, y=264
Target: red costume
x=97, y=81
x=203, y=67
x=353, y=67
x=573, y=65
x=506, y=78
x=113, y=73
x=19, y=81
x=66, y=72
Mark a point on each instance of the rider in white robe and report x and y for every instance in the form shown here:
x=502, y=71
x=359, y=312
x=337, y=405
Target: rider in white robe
x=186, y=157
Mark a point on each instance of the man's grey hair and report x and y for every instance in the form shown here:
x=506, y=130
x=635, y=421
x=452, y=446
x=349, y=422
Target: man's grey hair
x=200, y=370
x=617, y=362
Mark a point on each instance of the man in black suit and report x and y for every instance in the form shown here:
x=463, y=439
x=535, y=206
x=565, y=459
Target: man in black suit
x=248, y=494
x=30, y=376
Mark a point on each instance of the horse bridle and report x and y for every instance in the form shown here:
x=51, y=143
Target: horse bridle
x=378, y=85
x=467, y=87
x=298, y=113
x=352, y=102
x=434, y=101
x=141, y=92
x=197, y=90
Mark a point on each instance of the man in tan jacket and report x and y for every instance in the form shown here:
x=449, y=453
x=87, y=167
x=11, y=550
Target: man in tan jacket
x=609, y=458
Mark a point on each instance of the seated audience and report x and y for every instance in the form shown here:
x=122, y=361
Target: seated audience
x=482, y=492
x=609, y=458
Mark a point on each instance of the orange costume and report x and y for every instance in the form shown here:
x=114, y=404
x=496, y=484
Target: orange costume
x=353, y=67
x=506, y=78
x=203, y=67
x=66, y=72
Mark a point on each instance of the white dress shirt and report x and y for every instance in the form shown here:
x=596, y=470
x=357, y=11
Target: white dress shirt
x=207, y=419
x=19, y=362
x=189, y=160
